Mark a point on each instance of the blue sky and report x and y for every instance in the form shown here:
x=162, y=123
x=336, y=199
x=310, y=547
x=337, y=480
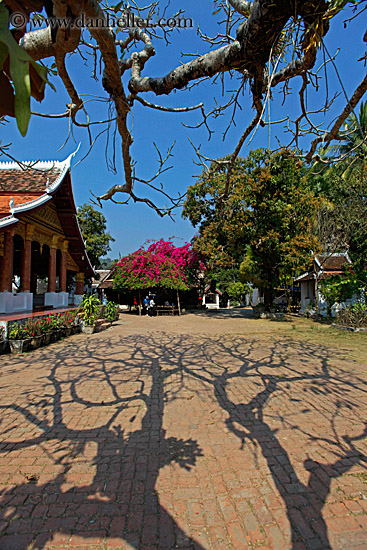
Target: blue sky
x=133, y=224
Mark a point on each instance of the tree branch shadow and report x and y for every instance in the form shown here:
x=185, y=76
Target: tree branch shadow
x=121, y=501
x=255, y=429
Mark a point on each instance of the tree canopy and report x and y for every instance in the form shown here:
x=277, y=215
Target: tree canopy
x=353, y=142
x=267, y=220
x=260, y=46
x=342, y=223
x=93, y=227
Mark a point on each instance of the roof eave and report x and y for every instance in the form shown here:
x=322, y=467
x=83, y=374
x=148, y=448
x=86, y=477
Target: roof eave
x=8, y=220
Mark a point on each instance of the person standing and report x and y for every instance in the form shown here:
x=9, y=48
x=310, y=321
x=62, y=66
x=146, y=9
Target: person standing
x=145, y=305
x=151, y=307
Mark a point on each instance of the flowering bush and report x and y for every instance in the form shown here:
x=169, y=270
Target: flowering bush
x=32, y=328
x=67, y=319
x=41, y=325
x=161, y=265
x=18, y=331
x=37, y=326
x=54, y=321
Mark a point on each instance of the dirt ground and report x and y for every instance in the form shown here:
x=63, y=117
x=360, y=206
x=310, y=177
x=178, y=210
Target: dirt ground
x=209, y=431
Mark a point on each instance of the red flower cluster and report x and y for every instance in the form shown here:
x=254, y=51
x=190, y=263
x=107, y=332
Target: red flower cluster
x=161, y=265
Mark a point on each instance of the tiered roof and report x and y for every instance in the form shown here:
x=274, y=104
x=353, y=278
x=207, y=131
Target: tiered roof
x=29, y=182
x=27, y=186
x=326, y=266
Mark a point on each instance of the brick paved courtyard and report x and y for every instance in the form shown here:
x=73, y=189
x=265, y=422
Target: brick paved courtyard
x=206, y=431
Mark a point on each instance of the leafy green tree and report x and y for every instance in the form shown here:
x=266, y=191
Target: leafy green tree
x=354, y=142
x=93, y=227
x=267, y=218
x=338, y=288
x=237, y=291
x=107, y=263
x=342, y=218
x=229, y=282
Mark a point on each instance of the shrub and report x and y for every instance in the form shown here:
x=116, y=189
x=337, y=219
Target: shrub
x=90, y=308
x=354, y=316
x=110, y=311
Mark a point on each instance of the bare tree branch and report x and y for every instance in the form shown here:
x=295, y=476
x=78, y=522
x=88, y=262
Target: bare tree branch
x=259, y=45
x=327, y=137
x=167, y=109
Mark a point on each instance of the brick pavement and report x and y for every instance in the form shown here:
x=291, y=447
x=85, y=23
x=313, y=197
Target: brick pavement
x=192, y=432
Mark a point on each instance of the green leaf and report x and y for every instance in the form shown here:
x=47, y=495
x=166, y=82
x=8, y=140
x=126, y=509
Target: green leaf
x=3, y=54
x=117, y=7
x=19, y=71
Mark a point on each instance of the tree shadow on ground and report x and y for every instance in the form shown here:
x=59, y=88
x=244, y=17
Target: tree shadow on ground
x=118, y=499
x=246, y=420
x=121, y=501
x=223, y=313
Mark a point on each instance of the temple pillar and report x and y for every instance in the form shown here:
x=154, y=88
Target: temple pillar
x=25, y=274
x=63, y=266
x=6, y=271
x=79, y=286
x=52, y=266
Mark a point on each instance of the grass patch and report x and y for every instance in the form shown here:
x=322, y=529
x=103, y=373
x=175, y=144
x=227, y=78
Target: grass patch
x=351, y=345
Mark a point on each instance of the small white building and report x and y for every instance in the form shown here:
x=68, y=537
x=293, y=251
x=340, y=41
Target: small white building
x=211, y=298
x=324, y=266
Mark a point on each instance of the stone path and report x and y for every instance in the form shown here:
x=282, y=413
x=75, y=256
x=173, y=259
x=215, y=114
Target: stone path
x=193, y=432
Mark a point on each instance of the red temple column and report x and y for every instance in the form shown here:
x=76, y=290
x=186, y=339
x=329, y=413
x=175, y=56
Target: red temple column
x=63, y=266
x=6, y=271
x=79, y=287
x=25, y=274
x=52, y=267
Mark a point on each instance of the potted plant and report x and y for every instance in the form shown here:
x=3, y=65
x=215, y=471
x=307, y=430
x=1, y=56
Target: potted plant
x=55, y=327
x=61, y=325
x=76, y=322
x=110, y=312
x=33, y=327
x=90, y=308
x=18, y=338
x=45, y=328
x=68, y=322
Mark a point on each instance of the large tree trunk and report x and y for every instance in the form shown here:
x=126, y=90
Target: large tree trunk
x=178, y=303
x=268, y=297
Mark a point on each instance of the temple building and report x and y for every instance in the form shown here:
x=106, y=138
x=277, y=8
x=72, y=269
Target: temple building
x=43, y=261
